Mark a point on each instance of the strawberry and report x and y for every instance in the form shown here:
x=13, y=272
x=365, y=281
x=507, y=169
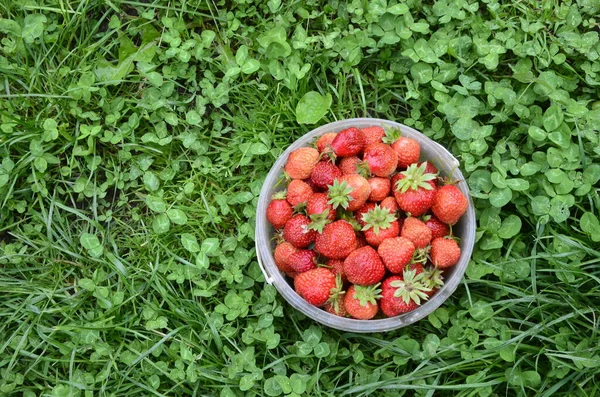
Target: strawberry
x=407, y=149
x=433, y=278
x=348, y=142
x=364, y=267
x=438, y=228
x=315, y=285
x=324, y=142
x=379, y=225
x=324, y=173
x=318, y=204
x=301, y=162
x=279, y=211
x=360, y=301
x=302, y=260
x=349, y=165
x=298, y=192
x=381, y=158
x=361, y=241
x=445, y=252
x=350, y=191
x=337, y=240
x=337, y=267
x=402, y=293
x=297, y=233
x=373, y=134
x=396, y=253
x=359, y=213
x=313, y=187
x=336, y=307
x=449, y=204
x=389, y=203
x=380, y=188
x=415, y=230
x=430, y=168
x=414, y=190
x=281, y=254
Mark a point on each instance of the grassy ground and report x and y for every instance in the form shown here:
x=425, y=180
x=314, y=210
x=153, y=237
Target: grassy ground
x=135, y=136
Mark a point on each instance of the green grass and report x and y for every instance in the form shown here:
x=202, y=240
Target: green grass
x=135, y=137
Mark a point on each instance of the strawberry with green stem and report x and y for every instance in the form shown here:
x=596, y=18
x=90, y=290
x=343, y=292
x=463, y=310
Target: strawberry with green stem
x=337, y=240
x=349, y=191
x=407, y=149
x=433, y=278
x=360, y=301
x=403, y=293
x=316, y=285
x=324, y=173
x=449, y=204
x=279, y=210
x=414, y=189
x=380, y=224
x=297, y=232
x=445, y=252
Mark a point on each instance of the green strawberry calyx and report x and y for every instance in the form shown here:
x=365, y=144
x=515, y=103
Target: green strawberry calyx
x=339, y=194
x=433, y=277
x=336, y=294
x=367, y=294
x=378, y=218
x=411, y=287
x=415, y=177
x=391, y=135
x=319, y=221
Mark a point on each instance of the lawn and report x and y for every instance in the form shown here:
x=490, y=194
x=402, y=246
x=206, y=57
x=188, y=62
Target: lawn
x=135, y=136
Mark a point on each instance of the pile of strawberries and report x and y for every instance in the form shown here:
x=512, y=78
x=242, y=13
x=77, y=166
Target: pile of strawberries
x=363, y=227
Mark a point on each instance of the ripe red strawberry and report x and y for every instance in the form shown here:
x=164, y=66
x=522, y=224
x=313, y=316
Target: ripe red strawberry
x=381, y=158
x=445, y=252
x=298, y=192
x=389, y=203
x=364, y=267
x=301, y=162
x=391, y=231
x=337, y=240
x=379, y=225
x=324, y=173
x=303, y=260
x=348, y=142
x=359, y=213
x=318, y=204
x=438, y=228
x=380, y=188
x=337, y=267
x=402, y=293
x=414, y=190
x=361, y=241
x=373, y=134
x=361, y=301
x=408, y=151
x=415, y=230
x=449, y=204
x=350, y=191
x=349, y=165
x=281, y=254
x=396, y=253
x=297, y=233
x=324, y=142
x=313, y=187
x=315, y=285
x=278, y=212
